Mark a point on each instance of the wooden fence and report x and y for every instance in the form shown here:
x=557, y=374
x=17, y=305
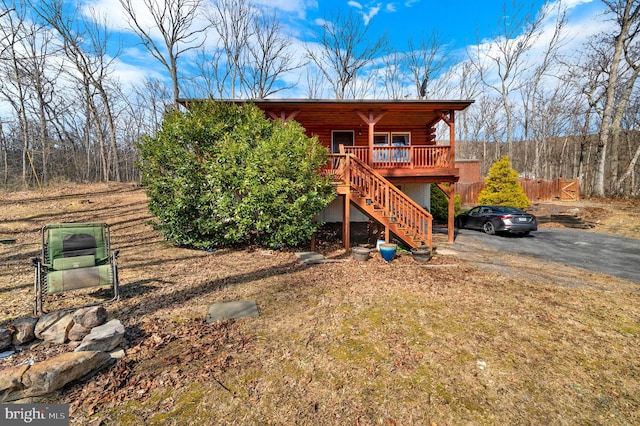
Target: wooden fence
x=536, y=189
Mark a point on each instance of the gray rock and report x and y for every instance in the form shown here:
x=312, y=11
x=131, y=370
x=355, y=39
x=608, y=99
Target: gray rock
x=90, y=317
x=103, y=338
x=42, y=378
x=5, y=338
x=11, y=386
x=78, y=332
x=118, y=353
x=72, y=345
x=54, y=326
x=25, y=330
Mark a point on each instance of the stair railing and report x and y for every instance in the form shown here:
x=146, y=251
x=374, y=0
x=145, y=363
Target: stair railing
x=384, y=196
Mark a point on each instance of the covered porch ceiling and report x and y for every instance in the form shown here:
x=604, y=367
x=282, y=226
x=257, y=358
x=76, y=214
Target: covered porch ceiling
x=347, y=112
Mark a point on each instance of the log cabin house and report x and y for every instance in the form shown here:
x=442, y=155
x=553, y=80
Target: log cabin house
x=384, y=155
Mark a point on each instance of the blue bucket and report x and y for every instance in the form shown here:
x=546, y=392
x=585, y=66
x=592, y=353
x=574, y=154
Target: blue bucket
x=388, y=251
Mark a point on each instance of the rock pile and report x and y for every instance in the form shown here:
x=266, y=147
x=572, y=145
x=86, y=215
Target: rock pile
x=91, y=339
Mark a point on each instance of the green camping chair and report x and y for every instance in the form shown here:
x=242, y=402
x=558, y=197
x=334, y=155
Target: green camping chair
x=74, y=256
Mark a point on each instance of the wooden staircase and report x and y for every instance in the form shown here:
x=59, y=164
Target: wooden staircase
x=382, y=201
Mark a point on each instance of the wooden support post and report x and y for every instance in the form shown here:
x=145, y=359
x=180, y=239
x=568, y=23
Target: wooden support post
x=451, y=214
x=346, y=221
x=450, y=193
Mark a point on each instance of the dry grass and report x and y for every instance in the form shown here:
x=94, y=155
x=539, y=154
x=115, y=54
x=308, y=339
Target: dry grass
x=349, y=342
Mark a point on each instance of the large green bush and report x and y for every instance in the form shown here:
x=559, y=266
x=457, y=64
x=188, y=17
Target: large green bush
x=502, y=188
x=440, y=203
x=222, y=174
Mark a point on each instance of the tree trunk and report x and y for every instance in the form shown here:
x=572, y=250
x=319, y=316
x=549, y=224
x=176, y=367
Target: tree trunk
x=625, y=18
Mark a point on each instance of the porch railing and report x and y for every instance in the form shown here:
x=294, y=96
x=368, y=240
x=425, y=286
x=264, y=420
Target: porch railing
x=403, y=157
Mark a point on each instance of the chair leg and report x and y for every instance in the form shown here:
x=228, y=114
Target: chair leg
x=116, y=282
x=37, y=286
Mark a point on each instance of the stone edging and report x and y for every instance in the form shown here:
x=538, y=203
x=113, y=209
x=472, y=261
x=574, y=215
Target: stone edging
x=92, y=341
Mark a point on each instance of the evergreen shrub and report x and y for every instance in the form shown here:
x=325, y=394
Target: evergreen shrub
x=223, y=174
x=440, y=203
x=502, y=188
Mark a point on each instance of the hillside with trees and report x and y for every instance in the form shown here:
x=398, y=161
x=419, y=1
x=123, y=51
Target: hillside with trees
x=66, y=115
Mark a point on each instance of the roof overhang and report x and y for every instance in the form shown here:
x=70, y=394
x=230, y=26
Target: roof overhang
x=345, y=111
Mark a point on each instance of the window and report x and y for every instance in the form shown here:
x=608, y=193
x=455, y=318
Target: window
x=381, y=138
x=341, y=137
x=392, y=139
x=400, y=139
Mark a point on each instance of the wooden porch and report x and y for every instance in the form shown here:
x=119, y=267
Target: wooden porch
x=433, y=163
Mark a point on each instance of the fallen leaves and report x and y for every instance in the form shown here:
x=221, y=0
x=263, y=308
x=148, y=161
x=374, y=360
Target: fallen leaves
x=210, y=348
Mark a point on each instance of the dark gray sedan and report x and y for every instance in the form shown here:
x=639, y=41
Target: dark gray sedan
x=496, y=219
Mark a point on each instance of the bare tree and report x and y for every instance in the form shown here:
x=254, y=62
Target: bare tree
x=4, y=149
x=174, y=21
x=502, y=63
x=151, y=100
x=538, y=124
x=344, y=50
x=85, y=45
x=467, y=86
x=233, y=22
x=426, y=60
x=270, y=57
x=41, y=77
x=23, y=70
x=627, y=17
x=392, y=75
x=209, y=70
x=313, y=77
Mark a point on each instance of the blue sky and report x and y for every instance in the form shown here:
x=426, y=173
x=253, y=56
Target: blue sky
x=460, y=23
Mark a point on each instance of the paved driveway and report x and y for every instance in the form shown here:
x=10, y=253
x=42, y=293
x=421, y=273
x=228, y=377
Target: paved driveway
x=602, y=253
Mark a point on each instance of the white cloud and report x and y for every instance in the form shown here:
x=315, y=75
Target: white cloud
x=369, y=15
x=355, y=4
x=111, y=10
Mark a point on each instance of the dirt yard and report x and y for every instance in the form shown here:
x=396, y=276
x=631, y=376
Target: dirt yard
x=464, y=339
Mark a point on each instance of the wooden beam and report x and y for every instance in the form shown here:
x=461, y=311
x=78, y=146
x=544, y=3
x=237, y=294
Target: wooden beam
x=371, y=121
x=443, y=117
x=283, y=115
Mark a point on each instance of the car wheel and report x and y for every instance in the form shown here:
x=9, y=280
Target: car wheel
x=459, y=223
x=488, y=228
